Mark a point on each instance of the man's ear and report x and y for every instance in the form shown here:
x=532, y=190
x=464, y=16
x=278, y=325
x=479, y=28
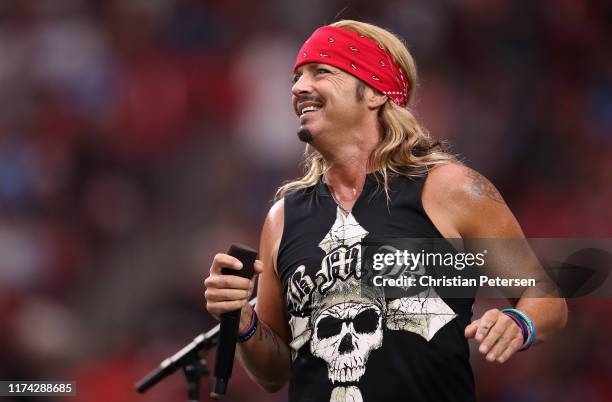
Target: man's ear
x=374, y=98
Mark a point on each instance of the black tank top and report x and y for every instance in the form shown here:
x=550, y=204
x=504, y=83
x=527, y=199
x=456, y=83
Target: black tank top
x=349, y=345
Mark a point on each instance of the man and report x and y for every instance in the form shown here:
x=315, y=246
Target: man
x=372, y=172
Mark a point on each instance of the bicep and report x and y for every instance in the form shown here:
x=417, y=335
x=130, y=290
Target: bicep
x=489, y=224
x=270, y=301
x=482, y=211
x=474, y=209
x=463, y=204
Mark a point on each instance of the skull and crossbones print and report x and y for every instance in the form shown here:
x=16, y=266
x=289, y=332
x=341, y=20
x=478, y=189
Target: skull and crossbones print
x=347, y=324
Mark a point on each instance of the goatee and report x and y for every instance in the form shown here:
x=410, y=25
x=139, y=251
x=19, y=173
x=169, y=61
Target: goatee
x=304, y=135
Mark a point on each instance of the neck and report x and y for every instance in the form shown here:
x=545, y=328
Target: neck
x=345, y=180
x=348, y=165
x=348, y=156
x=347, y=172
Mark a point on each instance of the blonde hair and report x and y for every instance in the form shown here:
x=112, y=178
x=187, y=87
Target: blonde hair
x=406, y=148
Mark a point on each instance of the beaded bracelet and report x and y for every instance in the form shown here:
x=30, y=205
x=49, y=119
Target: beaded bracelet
x=250, y=330
x=525, y=321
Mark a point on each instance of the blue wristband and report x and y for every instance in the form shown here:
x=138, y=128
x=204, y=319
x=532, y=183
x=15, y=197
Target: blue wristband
x=250, y=331
x=531, y=339
x=522, y=325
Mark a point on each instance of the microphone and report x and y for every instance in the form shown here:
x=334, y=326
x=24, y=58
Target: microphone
x=228, y=331
x=204, y=341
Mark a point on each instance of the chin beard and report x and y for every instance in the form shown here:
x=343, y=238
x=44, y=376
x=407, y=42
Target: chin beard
x=304, y=135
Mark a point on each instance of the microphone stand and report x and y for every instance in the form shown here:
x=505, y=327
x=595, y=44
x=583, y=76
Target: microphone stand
x=188, y=358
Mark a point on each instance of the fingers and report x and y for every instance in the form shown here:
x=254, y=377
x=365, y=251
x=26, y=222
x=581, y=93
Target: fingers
x=225, y=293
x=506, y=343
x=470, y=330
x=218, y=308
x=498, y=334
x=258, y=266
x=227, y=282
x=224, y=261
x=219, y=295
x=504, y=346
x=511, y=349
x=487, y=321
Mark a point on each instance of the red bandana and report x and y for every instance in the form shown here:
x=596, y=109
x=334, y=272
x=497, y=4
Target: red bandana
x=357, y=55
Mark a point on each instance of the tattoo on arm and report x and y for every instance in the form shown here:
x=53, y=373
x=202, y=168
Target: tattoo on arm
x=481, y=186
x=266, y=333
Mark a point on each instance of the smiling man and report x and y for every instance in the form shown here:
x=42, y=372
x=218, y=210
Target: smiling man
x=371, y=172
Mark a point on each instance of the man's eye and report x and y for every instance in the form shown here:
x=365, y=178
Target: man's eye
x=322, y=71
x=295, y=79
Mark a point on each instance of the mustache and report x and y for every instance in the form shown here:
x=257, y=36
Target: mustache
x=309, y=98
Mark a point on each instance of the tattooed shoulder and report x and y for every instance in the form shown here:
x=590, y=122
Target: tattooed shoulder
x=483, y=187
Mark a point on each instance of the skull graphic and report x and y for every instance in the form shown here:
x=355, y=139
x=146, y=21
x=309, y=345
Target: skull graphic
x=344, y=336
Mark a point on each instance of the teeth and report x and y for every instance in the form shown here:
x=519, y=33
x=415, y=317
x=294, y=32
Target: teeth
x=309, y=109
x=345, y=374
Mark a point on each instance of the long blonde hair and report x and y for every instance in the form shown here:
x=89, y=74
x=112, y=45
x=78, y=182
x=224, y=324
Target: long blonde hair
x=406, y=148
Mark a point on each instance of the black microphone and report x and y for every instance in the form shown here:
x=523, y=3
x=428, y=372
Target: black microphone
x=230, y=321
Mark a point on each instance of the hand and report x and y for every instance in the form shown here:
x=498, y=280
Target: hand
x=225, y=293
x=499, y=336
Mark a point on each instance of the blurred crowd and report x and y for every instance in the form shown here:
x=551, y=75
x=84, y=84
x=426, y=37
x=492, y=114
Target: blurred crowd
x=140, y=137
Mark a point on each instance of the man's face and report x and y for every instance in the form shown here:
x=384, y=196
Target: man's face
x=325, y=99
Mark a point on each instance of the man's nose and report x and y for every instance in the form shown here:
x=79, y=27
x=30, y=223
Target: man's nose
x=303, y=85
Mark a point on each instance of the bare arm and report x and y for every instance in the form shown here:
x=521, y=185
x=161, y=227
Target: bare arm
x=467, y=205
x=266, y=356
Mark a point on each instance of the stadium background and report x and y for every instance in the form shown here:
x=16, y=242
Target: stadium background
x=138, y=138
